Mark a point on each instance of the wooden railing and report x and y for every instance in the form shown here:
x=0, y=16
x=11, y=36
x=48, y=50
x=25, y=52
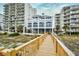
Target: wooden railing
x=60, y=48
x=29, y=48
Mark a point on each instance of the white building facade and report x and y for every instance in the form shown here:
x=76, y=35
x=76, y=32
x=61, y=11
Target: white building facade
x=1, y=22
x=40, y=24
x=58, y=22
x=71, y=17
x=16, y=14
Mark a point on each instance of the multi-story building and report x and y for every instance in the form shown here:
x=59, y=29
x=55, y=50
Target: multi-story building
x=58, y=23
x=71, y=18
x=40, y=24
x=1, y=22
x=16, y=14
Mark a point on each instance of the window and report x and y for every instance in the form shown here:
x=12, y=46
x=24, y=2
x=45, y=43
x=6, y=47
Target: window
x=29, y=24
x=41, y=24
x=73, y=18
x=48, y=24
x=35, y=24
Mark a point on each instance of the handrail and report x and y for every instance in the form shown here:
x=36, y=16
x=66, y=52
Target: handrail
x=60, y=46
x=31, y=47
x=25, y=49
x=17, y=48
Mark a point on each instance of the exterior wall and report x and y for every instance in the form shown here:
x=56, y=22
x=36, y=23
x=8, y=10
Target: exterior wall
x=16, y=14
x=1, y=22
x=58, y=22
x=70, y=17
x=39, y=28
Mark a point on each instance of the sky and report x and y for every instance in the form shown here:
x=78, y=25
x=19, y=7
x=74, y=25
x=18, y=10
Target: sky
x=51, y=8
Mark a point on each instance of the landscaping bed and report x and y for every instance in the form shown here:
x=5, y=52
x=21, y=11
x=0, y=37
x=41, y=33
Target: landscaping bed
x=14, y=40
x=72, y=42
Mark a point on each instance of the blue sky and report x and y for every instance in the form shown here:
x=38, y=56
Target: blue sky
x=1, y=8
x=47, y=8
x=50, y=8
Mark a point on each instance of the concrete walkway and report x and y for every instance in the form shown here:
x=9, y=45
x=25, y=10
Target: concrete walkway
x=46, y=49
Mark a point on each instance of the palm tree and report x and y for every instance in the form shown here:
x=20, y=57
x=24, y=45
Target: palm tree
x=65, y=27
x=0, y=28
x=20, y=28
x=12, y=28
x=57, y=28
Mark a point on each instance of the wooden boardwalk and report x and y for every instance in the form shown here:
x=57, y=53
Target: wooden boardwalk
x=47, y=48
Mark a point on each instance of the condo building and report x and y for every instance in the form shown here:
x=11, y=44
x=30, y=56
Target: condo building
x=16, y=14
x=58, y=23
x=40, y=24
x=1, y=22
x=71, y=18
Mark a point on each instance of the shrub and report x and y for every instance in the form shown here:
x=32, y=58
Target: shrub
x=49, y=32
x=3, y=33
x=20, y=28
x=14, y=34
x=14, y=46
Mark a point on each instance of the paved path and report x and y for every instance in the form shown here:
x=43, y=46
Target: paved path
x=46, y=49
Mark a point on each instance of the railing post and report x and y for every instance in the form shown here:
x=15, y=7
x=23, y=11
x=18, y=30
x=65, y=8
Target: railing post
x=13, y=52
x=1, y=48
x=38, y=44
x=60, y=48
x=8, y=52
x=55, y=45
x=56, y=48
x=25, y=49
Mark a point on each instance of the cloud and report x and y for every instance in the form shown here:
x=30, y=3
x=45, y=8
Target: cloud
x=1, y=8
x=46, y=5
x=50, y=5
x=51, y=8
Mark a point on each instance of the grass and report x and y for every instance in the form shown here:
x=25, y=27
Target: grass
x=7, y=41
x=72, y=42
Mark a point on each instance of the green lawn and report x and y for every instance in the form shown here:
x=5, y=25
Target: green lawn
x=72, y=42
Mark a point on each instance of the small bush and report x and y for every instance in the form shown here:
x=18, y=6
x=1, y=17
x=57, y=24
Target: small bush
x=14, y=46
x=14, y=34
x=49, y=32
x=5, y=33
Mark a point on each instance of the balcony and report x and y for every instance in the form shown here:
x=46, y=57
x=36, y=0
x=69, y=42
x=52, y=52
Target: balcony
x=48, y=24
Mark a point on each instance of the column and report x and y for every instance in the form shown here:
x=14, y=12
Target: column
x=45, y=26
x=15, y=25
x=32, y=27
x=38, y=30
x=52, y=30
x=32, y=30
x=23, y=29
x=38, y=26
x=15, y=18
x=8, y=26
x=44, y=30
